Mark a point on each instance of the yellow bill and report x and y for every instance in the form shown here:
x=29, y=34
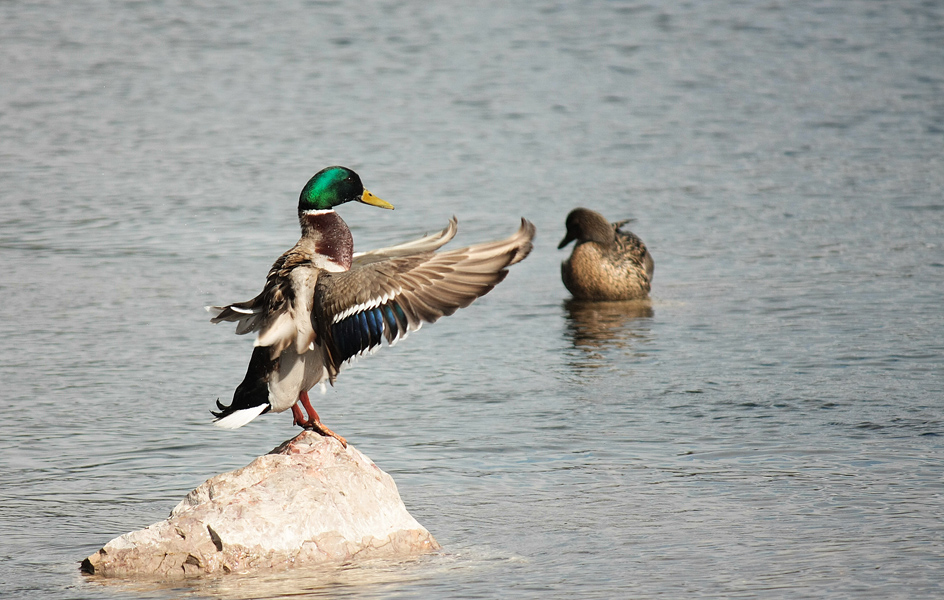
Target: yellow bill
x=373, y=200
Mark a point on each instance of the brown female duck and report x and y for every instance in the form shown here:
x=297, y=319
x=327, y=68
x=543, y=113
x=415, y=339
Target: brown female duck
x=607, y=263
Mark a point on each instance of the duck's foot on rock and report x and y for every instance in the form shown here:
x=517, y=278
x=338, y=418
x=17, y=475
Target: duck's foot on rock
x=319, y=427
x=313, y=423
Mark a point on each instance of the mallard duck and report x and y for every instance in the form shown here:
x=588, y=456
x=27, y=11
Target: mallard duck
x=607, y=263
x=323, y=305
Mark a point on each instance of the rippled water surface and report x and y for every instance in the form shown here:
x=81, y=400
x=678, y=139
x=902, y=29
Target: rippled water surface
x=770, y=427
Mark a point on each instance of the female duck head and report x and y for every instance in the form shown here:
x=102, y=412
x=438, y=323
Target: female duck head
x=585, y=225
x=333, y=186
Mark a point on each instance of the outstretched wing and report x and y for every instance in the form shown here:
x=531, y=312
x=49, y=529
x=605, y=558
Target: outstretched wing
x=390, y=296
x=429, y=243
x=281, y=312
x=248, y=315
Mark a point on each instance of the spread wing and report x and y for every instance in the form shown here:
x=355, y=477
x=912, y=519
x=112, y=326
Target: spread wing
x=390, y=295
x=281, y=312
x=429, y=243
x=277, y=296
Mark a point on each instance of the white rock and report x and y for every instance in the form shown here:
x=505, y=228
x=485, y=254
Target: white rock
x=308, y=501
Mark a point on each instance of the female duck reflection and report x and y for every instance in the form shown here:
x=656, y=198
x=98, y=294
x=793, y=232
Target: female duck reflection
x=598, y=326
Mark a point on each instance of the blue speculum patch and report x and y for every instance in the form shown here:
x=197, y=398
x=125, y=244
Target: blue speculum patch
x=365, y=330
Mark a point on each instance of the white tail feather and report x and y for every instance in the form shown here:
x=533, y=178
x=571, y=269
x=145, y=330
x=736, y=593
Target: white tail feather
x=240, y=417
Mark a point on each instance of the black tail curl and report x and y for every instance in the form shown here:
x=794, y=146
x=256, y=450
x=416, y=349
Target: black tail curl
x=254, y=390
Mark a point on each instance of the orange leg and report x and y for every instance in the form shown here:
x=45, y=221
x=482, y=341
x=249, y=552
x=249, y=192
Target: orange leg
x=313, y=421
x=298, y=417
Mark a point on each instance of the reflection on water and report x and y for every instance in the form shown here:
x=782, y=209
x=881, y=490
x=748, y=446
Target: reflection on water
x=317, y=581
x=598, y=327
x=365, y=578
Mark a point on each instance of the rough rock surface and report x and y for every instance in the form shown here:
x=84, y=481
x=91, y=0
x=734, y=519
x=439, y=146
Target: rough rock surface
x=308, y=501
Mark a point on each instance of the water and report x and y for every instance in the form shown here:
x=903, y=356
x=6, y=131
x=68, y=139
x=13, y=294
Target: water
x=772, y=427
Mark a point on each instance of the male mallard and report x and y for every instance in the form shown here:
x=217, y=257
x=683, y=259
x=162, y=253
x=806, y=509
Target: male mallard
x=607, y=263
x=323, y=305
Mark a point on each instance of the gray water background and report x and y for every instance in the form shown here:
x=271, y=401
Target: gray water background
x=772, y=428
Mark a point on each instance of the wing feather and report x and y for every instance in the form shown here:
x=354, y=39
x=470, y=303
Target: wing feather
x=429, y=243
x=281, y=312
x=392, y=292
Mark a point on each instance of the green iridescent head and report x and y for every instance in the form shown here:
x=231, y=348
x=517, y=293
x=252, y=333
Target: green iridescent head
x=333, y=186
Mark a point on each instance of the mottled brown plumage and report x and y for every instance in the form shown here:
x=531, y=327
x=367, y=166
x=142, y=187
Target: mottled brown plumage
x=281, y=313
x=606, y=263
